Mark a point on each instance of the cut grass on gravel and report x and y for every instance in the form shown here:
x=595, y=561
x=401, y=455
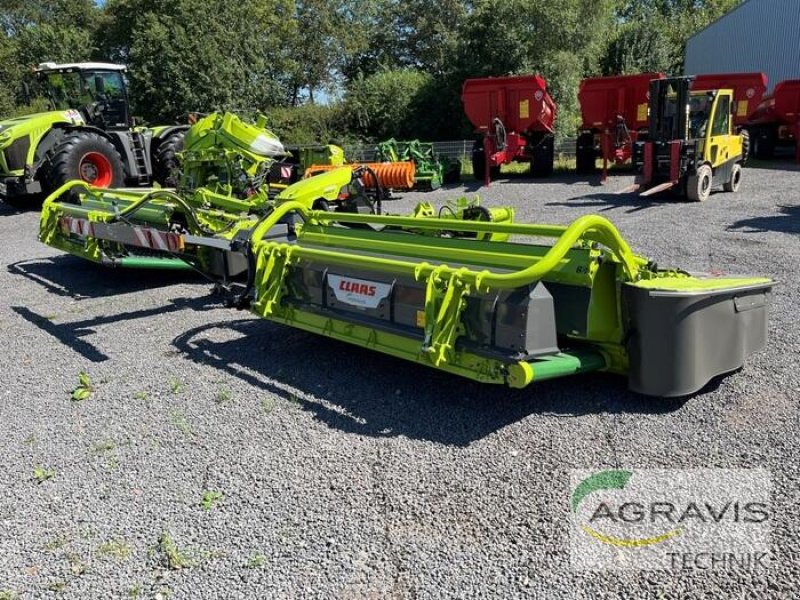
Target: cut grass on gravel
x=84, y=388
x=41, y=474
x=179, y=420
x=117, y=549
x=175, y=558
x=211, y=498
x=256, y=561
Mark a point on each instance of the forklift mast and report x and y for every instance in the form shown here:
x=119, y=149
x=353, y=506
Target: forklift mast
x=669, y=109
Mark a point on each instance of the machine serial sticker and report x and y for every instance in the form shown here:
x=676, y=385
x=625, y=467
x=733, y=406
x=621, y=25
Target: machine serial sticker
x=524, y=109
x=741, y=109
x=641, y=112
x=358, y=292
x=420, y=318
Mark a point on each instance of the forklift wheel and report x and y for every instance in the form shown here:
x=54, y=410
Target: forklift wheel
x=698, y=186
x=735, y=181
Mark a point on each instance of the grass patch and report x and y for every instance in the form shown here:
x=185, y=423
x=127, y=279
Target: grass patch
x=103, y=447
x=256, y=561
x=211, y=498
x=175, y=385
x=179, y=420
x=223, y=395
x=55, y=586
x=119, y=550
x=41, y=474
x=55, y=544
x=267, y=405
x=135, y=591
x=176, y=559
x=76, y=564
x=561, y=162
x=8, y=595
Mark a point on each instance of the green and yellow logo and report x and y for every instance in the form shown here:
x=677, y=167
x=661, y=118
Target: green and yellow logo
x=613, y=480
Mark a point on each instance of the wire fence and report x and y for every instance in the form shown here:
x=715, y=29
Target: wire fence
x=454, y=150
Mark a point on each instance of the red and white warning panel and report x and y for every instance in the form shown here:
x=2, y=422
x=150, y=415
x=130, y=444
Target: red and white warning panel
x=131, y=235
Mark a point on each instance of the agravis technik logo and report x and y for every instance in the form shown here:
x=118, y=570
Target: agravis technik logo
x=655, y=519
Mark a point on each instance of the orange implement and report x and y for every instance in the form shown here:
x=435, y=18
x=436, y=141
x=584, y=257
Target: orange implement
x=398, y=175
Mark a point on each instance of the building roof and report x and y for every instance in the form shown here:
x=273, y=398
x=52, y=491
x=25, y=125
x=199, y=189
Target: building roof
x=85, y=66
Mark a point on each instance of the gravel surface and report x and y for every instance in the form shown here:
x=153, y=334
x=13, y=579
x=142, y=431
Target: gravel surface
x=346, y=474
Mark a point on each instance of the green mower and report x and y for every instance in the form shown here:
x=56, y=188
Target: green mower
x=463, y=289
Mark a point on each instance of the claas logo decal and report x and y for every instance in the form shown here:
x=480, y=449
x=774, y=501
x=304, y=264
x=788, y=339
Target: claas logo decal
x=361, y=293
x=354, y=287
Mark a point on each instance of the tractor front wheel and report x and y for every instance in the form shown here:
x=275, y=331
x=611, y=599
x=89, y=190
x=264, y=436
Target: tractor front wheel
x=86, y=156
x=165, y=167
x=698, y=186
x=735, y=180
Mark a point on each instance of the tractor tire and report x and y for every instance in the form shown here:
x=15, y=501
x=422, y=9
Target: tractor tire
x=698, y=185
x=543, y=158
x=745, y=145
x=585, y=156
x=166, y=164
x=86, y=156
x=735, y=180
x=479, y=160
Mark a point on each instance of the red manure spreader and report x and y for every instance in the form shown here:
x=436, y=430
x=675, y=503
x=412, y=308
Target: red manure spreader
x=614, y=115
x=515, y=117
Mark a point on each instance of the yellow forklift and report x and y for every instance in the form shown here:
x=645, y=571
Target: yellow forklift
x=690, y=146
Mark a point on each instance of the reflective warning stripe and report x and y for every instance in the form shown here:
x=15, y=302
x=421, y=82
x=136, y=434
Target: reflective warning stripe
x=143, y=237
x=79, y=227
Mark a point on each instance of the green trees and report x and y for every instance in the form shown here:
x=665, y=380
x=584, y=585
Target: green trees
x=378, y=68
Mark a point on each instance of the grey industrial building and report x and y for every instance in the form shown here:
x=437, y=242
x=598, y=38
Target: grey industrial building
x=757, y=35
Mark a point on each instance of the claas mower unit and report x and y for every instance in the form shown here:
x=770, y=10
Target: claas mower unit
x=463, y=289
x=691, y=146
x=222, y=186
x=88, y=134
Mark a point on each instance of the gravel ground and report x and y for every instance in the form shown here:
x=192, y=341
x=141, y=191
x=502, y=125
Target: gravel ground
x=345, y=474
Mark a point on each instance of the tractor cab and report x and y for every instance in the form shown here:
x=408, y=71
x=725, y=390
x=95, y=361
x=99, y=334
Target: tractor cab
x=97, y=91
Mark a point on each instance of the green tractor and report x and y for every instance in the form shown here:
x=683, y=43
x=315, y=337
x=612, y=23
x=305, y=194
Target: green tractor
x=89, y=134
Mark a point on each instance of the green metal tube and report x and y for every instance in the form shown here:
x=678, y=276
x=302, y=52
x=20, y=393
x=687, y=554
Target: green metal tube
x=567, y=363
x=145, y=262
x=581, y=228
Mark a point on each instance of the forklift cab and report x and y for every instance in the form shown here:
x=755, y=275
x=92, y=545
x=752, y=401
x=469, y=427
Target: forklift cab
x=97, y=91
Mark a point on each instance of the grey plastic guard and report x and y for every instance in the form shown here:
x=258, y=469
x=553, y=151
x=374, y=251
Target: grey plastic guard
x=678, y=342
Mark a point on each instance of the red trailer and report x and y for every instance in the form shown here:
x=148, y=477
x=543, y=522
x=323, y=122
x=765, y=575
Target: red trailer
x=776, y=120
x=515, y=118
x=614, y=115
x=748, y=91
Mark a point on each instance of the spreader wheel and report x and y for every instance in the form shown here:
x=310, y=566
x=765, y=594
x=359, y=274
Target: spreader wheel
x=479, y=160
